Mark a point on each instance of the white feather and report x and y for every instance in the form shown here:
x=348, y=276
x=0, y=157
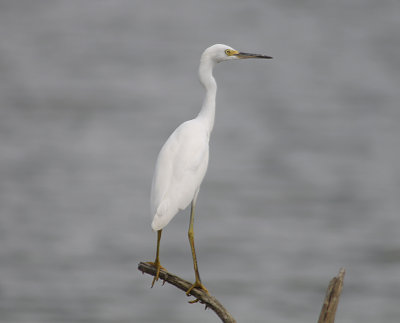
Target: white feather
x=180, y=169
x=183, y=160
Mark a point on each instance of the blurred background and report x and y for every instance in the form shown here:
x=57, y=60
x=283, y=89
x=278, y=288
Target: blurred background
x=304, y=174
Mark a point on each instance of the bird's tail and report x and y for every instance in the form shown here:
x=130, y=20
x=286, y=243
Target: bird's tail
x=163, y=216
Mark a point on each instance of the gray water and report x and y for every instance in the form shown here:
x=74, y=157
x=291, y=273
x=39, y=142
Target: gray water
x=304, y=173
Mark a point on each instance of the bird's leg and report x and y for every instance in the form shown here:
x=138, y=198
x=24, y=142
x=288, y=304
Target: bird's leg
x=197, y=283
x=156, y=262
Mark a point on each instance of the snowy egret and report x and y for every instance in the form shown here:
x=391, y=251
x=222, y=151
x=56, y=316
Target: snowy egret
x=183, y=160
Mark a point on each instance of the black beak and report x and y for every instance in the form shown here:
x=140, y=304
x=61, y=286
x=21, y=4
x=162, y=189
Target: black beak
x=248, y=55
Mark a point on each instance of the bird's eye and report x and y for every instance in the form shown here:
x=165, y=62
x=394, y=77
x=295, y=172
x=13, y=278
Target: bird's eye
x=228, y=52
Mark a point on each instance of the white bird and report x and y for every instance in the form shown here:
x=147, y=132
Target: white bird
x=183, y=160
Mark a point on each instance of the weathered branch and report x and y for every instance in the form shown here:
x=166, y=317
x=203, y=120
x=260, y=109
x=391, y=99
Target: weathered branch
x=327, y=314
x=203, y=297
x=331, y=301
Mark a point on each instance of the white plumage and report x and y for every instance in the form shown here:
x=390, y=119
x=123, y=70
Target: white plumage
x=183, y=160
x=180, y=169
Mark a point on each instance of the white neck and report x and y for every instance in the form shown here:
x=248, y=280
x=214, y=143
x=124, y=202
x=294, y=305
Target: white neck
x=207, y=112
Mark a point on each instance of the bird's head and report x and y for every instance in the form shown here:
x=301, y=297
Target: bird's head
x=219, y=53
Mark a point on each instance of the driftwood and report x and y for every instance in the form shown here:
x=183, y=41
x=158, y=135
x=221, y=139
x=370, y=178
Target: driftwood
x=327, y=314
x=331, y=301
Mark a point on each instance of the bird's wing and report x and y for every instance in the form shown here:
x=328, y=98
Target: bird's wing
x=180, y=169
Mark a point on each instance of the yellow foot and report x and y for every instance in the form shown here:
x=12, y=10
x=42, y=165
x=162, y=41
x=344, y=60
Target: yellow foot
x=199, y=285
x=158, y=267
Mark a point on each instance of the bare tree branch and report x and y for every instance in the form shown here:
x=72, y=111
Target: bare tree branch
x=331, y=301
x=203, y=297
x=327, y=314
